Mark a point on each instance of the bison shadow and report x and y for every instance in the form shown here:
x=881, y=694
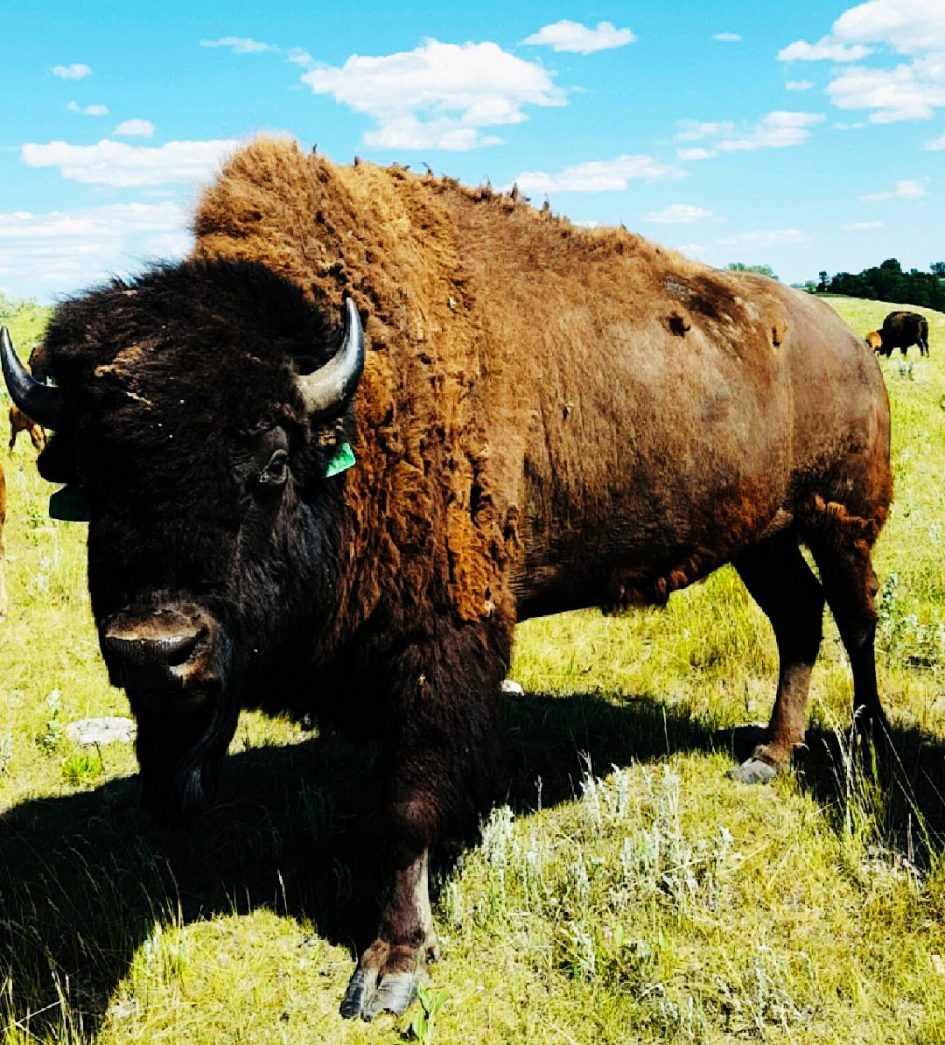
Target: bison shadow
x=85, y=878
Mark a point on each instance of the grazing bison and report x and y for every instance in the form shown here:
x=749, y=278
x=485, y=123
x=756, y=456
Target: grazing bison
x=900, y=330
x=21, y=422
x=3, y=547
x=546, y=418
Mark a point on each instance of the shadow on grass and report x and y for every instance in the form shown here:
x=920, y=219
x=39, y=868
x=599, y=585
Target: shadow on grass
x=85, y=878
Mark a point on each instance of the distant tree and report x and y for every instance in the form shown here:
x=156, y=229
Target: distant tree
x=763, y=270
x=888, y=282
x=823, y=281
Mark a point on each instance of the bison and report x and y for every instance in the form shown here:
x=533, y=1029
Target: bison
x=900, y=330
x=545, y=418
x=3, y=547
x=21, y=422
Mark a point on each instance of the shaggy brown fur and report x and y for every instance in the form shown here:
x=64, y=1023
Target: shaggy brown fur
x=516, y=359
x=553, y=418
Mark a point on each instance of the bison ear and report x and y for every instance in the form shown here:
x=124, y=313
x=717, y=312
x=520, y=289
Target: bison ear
x=327, y=391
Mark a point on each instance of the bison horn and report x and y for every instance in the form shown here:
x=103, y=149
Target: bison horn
x=43, y=403
x=327, y=390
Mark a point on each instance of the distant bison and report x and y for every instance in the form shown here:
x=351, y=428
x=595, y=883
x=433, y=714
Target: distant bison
x=3, y=548
x=21, y=422
x=900, y=330
x=547, y=418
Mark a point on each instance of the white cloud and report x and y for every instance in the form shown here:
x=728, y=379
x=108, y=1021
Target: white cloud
x=825, y=49
x=905, y=189
x=135, y=128
x=680, y=214
x=728, y=38
x=893, y=94
x=936, y=144
x=77, y=71
x=88, y=110
x=696, y=130
x=299, y=56
x=765, y=238
x=909, y=26
x=62, y=250
x=599, y=176
x=575, y=38
x=118, y=164
x=776, y=130
x=799, y=85
x=240, y=45
x=863, y=226
x=910, y=90
x=438, y=95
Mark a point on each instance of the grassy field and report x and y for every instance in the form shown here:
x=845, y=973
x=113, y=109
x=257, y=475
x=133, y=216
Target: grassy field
x=626, y=892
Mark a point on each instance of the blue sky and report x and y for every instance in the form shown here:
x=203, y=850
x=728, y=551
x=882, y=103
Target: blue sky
x=806, y=135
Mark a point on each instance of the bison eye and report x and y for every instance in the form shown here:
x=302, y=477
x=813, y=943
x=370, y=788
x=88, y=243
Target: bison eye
x=276, y=471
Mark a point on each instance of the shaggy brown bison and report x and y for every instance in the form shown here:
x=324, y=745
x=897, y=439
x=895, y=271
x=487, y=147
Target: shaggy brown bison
x=21, y=422
x=547, y=418
x=900, y=330
x=3, y=547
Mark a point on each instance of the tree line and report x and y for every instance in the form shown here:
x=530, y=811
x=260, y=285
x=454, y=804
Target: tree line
x=888, y=282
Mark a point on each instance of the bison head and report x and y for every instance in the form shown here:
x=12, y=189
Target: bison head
x=198, y=408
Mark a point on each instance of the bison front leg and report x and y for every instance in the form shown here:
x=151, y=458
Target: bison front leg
x=387, y=976
x=444, y=756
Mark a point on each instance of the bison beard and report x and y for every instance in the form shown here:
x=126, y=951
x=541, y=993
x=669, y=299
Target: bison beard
x=548, y=418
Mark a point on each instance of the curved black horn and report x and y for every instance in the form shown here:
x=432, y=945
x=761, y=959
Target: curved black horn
x=43, y=403
x=327, y=390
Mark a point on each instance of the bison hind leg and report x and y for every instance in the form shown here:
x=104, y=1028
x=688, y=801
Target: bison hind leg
x=780, y=581
x=851, y=585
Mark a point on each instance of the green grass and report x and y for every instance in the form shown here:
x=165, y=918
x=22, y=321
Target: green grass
x=626, y=892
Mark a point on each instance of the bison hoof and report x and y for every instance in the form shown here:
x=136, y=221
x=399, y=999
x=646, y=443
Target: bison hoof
x=368, y=997
x=753, y=771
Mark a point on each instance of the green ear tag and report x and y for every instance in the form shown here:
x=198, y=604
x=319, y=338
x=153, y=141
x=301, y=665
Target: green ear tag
x=341, y=462
x=70, y=504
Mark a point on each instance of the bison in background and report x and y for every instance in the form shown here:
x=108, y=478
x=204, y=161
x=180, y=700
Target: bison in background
x=21, y=422
x=900, y=330
x=3, y=547
x=545, y=418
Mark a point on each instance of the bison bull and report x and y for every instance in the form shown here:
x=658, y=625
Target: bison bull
x=547, y=418
x=900, y=330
